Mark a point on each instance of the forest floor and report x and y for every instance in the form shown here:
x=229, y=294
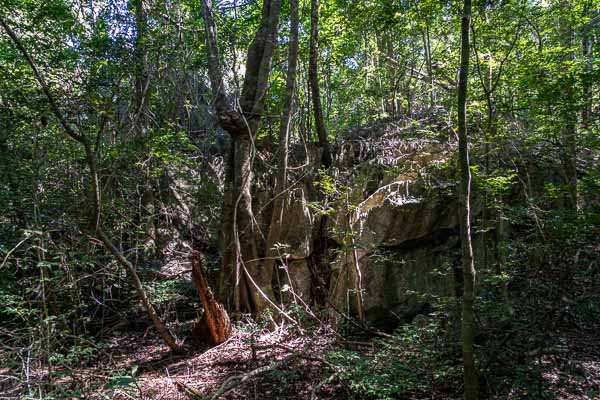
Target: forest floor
x=282, y=364
x=572, y=371
x=257, y=364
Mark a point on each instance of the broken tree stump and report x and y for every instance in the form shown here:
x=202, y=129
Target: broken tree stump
x=214, y=326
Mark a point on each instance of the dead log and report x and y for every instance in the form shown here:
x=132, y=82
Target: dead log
x=214, y=326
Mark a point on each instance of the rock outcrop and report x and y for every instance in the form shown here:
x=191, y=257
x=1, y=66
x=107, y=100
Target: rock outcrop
x=392, y=220
x=402, y=232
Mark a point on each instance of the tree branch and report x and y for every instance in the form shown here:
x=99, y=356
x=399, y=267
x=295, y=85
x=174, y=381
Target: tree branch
x=91, y=162
x=59, y=115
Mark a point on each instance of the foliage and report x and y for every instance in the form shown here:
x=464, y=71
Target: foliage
x=533, y=112
x=418, y=359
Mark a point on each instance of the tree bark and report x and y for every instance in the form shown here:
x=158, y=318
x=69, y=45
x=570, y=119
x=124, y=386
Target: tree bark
x=313, y=77
x=214, y=325
x=468, y=262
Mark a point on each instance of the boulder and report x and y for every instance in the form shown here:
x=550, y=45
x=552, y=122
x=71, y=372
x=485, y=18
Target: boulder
x=400, y=238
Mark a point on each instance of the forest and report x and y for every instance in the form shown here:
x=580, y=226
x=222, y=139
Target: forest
x=299, y=199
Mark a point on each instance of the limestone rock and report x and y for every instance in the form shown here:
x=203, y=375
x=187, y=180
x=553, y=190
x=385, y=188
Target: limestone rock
x=402, y=236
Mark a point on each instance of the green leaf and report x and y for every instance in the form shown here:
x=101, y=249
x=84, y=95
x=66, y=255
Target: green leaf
x=119, y=381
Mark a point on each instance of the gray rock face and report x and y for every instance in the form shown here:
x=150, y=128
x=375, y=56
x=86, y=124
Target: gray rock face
x=394, y=222
x=402, y=236
x=298, y=221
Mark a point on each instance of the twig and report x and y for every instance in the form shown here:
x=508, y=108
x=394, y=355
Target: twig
x=237, y=380
x=13, y=249
x=313, y=393
x=190, y=391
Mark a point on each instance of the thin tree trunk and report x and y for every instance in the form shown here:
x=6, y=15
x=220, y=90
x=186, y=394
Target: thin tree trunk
x=274, y=235
x=141, y=128
x=468, y=262
x=586, y=112
x=568, y=150
x=489, y=86
x=317, y=261
x=158, y=323
x=313, y=79
x=356, y=275
x=429, y=64
x=587, y=44
x=96, y=219
x=226, y=241
x=490, y=135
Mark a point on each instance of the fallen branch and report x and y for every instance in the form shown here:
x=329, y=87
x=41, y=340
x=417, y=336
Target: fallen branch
x=237, y=380
x=313, y=393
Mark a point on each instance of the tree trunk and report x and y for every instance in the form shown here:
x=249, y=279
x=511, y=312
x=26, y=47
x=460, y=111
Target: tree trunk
x=241, y=120
x=468, y=262
x=313, y=78
x=158, y=323
x=214, y=325
x=141, y=128
x=429, y=64
x=274, y=234
x=568, y=150
x=586, y=112
x=226, y=242
x=246, y=231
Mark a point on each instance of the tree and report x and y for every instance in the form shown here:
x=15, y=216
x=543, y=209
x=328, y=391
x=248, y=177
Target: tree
x=277, y=218
x=241, y=119
x=489, y=82
x=313, y=78
x=96, y=215
x=468, y=262
x=141, y=119
x=568, y=149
